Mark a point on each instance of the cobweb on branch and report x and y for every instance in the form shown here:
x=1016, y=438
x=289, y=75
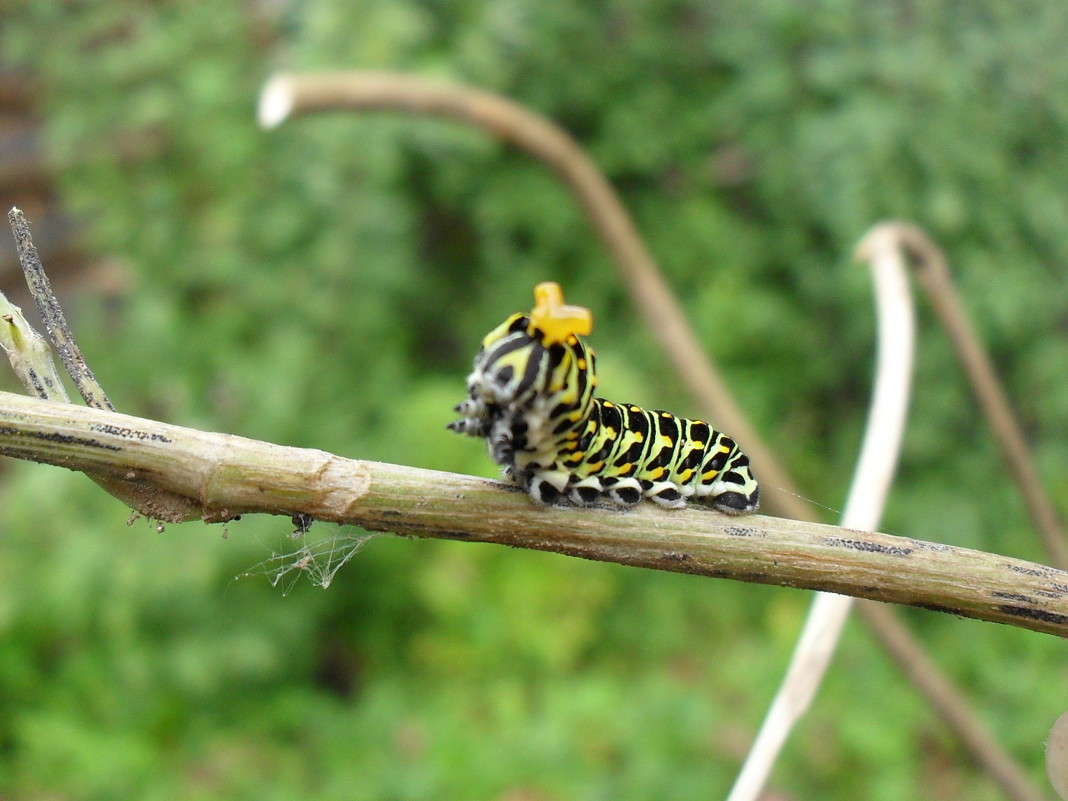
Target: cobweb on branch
x=318, y=557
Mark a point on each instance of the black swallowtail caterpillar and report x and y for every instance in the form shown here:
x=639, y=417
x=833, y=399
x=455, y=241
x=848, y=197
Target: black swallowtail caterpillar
x=531, y=396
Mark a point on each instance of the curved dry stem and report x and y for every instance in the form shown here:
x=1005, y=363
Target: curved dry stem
x=896, y=325
x=229, y=475
x=932, y=273
x=288, y=95
x=914, y=663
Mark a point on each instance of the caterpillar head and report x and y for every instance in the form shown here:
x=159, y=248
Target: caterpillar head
x=521, y=359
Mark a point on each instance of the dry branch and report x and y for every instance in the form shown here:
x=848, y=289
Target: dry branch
x=229, y=475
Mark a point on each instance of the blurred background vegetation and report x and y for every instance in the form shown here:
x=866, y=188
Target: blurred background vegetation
x=326, y=285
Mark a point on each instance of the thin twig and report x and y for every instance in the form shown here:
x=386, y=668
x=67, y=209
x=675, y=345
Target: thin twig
x=864, y=506
x=289, y=95
x=932, y=273
x=52, y=314
x=231, y=475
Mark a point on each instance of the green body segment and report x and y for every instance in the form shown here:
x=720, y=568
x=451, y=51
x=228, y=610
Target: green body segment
x=532, y=398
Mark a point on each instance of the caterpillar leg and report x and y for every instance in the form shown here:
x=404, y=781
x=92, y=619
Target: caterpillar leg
x=586, y=492
x=547, y=487
x=624, y=491
x=475, y=418
x=666, y=494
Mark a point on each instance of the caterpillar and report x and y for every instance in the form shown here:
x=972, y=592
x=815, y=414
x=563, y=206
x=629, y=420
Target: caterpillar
x=530, y=396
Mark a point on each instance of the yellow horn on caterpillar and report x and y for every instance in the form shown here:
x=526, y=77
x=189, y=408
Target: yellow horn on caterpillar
x=556, y=320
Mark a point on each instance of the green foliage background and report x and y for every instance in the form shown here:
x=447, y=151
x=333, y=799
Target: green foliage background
x=326, y=284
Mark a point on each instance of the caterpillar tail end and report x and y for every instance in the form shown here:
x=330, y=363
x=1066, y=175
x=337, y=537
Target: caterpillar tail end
x=737, y=503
